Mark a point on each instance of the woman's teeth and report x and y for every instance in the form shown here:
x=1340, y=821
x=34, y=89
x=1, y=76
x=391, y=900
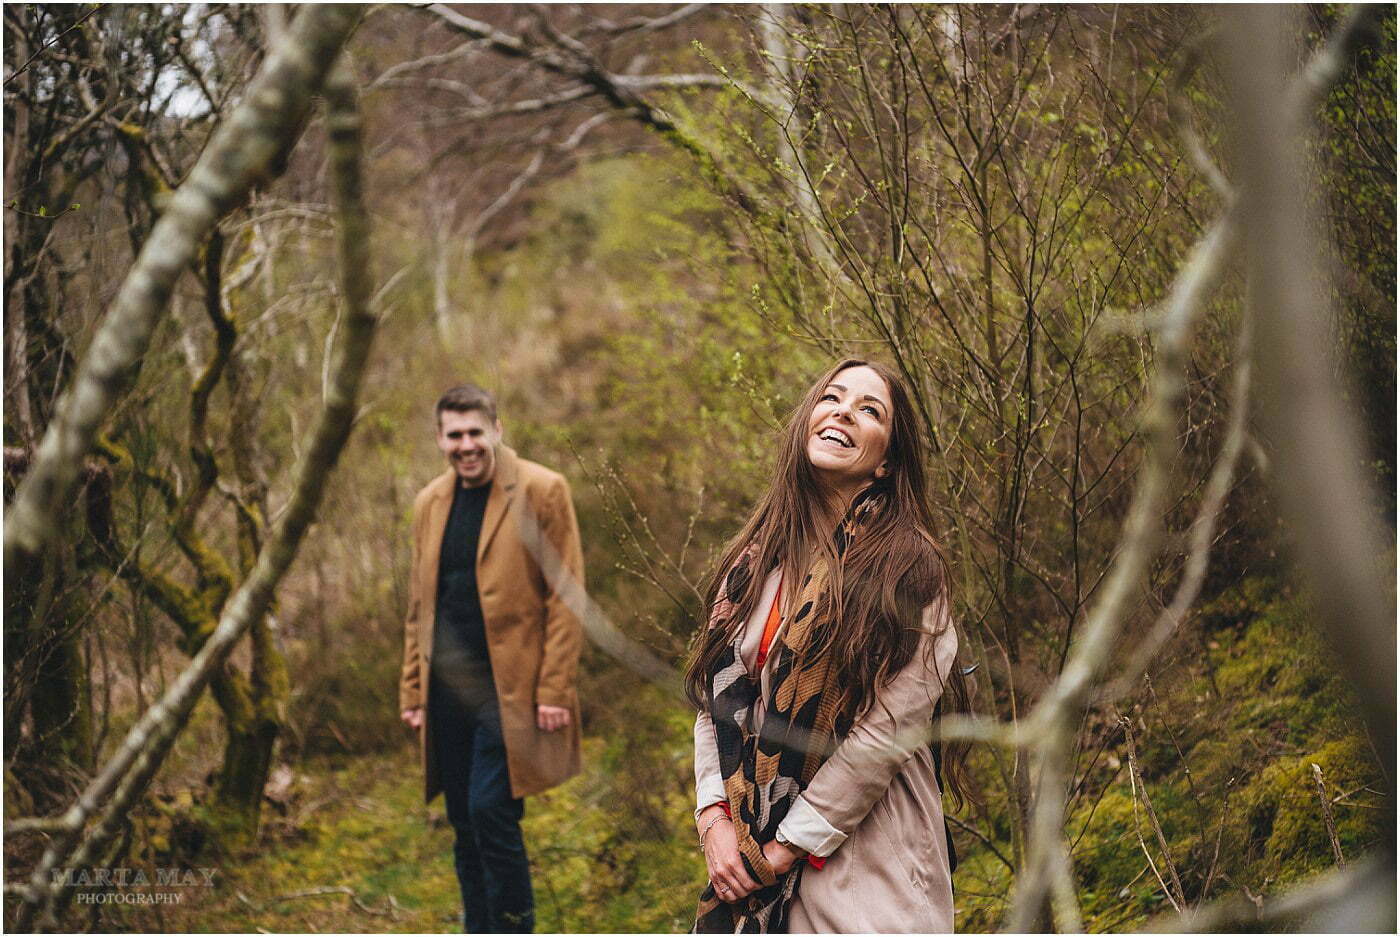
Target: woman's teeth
x=836, y=437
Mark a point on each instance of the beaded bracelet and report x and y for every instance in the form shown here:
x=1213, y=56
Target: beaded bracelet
x=706, y=831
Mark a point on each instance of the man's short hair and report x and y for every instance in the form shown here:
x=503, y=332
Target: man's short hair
x=467, y=397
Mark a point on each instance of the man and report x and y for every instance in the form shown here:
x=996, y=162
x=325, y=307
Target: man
x=491, y=646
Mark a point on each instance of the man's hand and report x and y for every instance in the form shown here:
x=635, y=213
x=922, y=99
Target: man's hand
x=780, y=856
x=551, y=718
x=413, y=718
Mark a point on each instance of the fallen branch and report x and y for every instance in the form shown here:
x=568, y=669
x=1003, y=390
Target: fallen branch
x=1175, y=894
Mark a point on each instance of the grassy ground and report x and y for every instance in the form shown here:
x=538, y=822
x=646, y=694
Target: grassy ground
x=1225, y=748
x=356, y=851
x=359, y=826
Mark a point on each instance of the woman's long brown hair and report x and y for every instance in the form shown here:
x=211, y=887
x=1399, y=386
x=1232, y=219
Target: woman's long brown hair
x=879, y=587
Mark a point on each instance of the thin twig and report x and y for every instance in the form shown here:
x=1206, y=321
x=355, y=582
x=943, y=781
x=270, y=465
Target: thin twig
x=44, y=48
x=1327, y=815
x=1175, y=894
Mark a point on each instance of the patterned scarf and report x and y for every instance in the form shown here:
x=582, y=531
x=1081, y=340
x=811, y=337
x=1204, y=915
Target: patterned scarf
x=765, y=772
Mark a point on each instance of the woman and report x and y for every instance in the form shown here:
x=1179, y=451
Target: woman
x=829, y=645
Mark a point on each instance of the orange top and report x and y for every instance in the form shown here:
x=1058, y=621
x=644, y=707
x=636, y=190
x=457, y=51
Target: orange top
x=770, y=627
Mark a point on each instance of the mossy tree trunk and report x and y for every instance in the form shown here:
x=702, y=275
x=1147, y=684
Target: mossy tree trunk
x=254, y=709
x=195, y=585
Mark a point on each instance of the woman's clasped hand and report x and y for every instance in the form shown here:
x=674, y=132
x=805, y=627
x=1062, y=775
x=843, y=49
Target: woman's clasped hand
x=720, y=844
x=728, y=874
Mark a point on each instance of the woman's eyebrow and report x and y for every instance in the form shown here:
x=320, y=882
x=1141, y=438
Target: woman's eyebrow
x=842, y=387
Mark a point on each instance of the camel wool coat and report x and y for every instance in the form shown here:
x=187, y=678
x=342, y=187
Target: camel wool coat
x=874, y=809
x=529, y=569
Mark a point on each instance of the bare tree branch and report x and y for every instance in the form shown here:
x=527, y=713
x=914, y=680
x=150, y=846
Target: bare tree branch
x=642, y=24
x=125, y=775
x=620, y=90
x=30, y=61
x=1178, y=110
x=428, y=61
x=1359, y=899
x=1202, y=527
x=1332, y=509
x=1326, y=804
x=671, y=82
x=243, y=153
x=514, y=108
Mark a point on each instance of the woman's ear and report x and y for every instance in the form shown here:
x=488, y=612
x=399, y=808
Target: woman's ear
x=883, y=470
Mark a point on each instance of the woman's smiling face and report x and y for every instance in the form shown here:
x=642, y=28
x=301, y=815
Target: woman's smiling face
x=849, y=431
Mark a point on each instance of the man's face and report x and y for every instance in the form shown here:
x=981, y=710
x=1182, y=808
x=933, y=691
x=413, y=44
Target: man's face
x=469, y=441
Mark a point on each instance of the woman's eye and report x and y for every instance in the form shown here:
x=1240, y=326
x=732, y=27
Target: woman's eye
x=872, y=411
x=827, y=397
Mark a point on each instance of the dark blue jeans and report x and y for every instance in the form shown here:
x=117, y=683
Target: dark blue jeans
x=492, y=868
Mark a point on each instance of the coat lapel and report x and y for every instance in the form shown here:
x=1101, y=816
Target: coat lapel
x=502, y=491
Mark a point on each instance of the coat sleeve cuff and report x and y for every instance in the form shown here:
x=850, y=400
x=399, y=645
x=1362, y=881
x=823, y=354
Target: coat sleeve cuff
x=708, y=792
x=807, y=829
x=547, y=698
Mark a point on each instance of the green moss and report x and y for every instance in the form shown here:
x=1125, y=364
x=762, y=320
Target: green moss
x=1284, y=815
x=981, y=891
x=1225, y=746
x=1114, y=878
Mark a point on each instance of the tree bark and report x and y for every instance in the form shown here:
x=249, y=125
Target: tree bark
x=244, y=152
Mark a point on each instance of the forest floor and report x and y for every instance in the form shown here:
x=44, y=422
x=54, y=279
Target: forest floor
x=356, y=851
x=1228, y=748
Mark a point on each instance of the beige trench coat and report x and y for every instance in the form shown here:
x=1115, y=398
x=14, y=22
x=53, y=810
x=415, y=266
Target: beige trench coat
x=873, y=809
x=529, y=574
